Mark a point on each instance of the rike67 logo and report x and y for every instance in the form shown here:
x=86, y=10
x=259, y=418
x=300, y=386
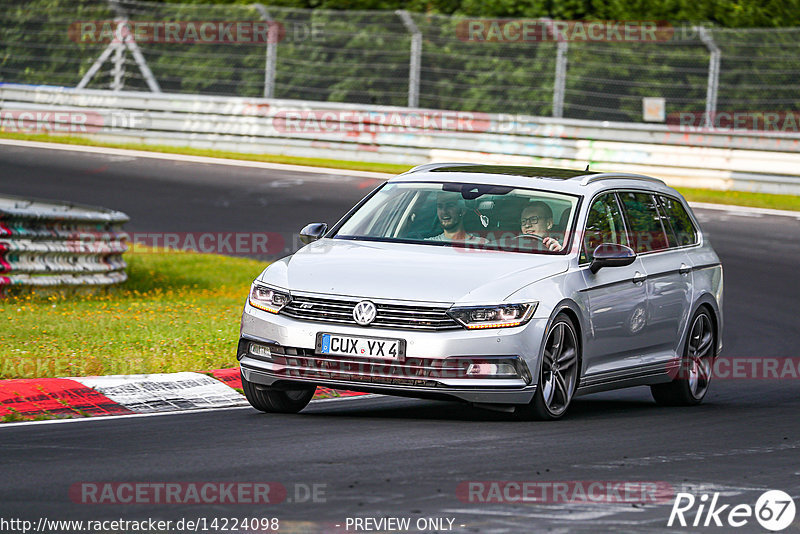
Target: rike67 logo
x=774, y=510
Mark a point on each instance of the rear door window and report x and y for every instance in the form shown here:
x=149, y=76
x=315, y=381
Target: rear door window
x=677, y=217
x=644, y=222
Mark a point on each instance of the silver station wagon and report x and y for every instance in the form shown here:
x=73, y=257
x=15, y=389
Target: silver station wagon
x=510, y=288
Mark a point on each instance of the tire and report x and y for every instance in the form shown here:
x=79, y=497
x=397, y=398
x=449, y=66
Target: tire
x=558, y=373
x=690, y=385
x=270, y=400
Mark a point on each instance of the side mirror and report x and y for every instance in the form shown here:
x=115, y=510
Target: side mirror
x=611, y=255
x=312, y=232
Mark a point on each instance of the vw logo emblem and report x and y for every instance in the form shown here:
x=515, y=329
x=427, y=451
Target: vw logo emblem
x=364, y=312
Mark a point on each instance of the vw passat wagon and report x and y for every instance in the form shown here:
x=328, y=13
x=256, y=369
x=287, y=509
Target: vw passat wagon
x=513, y=288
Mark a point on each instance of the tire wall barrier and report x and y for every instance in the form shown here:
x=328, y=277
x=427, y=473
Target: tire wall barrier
x=743, y=160
x=47, y=244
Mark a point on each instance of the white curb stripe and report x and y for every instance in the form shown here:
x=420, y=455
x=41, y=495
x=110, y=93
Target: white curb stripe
x=165, y=392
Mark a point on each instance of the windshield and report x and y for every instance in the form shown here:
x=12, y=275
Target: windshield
x=461, y=214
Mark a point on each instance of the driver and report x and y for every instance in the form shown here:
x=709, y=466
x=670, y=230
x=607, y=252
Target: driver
x=537, y=220
x=450, y=210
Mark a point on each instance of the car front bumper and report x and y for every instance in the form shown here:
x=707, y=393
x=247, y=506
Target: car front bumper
x=430, y=368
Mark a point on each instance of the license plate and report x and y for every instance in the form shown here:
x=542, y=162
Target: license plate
x=363, y=347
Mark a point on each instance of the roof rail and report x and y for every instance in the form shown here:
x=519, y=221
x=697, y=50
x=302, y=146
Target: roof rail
x=431, y=166
x=586, y=180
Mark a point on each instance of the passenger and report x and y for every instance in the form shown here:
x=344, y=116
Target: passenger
x=450, y=210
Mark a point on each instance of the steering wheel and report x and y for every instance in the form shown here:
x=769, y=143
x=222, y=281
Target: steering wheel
x=531, y=236
x=530, y=241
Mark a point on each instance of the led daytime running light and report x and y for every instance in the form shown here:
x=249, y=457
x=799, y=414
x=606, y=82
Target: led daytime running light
x=267, y=299
x=499, y=316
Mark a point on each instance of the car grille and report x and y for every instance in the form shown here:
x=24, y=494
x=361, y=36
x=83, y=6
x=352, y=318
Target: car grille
x=412, y=372
x=389, y=315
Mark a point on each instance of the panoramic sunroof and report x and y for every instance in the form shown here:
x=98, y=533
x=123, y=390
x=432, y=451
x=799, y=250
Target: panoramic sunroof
x=517, y=170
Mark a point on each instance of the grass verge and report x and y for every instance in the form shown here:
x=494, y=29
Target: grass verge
x=177, y=312
x=738, y=198
x=743, y=198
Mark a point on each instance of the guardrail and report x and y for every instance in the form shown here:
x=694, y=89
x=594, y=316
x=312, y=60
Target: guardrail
x=718, y=159
x=48, y=244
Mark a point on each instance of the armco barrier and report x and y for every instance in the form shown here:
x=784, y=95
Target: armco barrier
x=58, y=244
x=718, y=159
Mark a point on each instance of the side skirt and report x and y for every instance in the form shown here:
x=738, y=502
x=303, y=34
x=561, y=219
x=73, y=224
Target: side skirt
x=644, y=375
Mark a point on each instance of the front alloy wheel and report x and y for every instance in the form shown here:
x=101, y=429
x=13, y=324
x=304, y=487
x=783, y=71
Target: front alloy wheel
x=558, y=376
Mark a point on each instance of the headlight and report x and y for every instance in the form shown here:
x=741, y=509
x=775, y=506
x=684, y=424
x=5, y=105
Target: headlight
x=267, y=299
x=500, y=316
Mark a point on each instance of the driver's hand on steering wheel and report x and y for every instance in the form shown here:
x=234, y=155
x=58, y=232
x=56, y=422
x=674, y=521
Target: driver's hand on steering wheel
x=552, y=244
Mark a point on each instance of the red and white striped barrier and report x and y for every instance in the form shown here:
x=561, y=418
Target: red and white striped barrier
x=92, y=396
x=51, y=243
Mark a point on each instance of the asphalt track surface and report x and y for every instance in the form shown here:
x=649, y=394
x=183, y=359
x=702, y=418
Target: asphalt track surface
x=381, y=456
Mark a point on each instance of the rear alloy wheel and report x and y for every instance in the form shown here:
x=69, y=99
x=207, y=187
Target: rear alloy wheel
x=271, y=400
x=558, y=376
x=694, y=374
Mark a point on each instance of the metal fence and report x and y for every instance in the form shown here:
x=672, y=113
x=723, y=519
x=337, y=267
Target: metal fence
x=747, y=161
x=397, y=59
